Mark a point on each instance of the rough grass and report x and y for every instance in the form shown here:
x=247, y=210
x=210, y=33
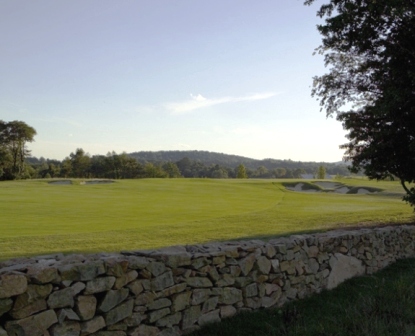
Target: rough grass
x=38, y=218
x=378, y=305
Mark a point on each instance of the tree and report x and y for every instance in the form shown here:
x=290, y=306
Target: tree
x=80, y=162
x=370, y=49
x=241, y=172
x=13, y=138
x=171, y=170
x=321, y=173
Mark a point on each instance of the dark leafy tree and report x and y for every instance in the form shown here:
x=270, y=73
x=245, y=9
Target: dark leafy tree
x=14, y=136
x=369, y=47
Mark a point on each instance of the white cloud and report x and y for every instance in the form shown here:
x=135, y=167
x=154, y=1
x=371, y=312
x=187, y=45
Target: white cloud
x=198, y=101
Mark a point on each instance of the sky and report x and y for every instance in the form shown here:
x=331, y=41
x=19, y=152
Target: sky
x=227, y=76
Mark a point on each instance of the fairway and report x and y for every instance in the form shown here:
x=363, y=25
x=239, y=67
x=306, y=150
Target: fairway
x=38, y=217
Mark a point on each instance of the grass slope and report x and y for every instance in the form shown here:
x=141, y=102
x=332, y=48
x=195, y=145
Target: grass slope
x=37, y=217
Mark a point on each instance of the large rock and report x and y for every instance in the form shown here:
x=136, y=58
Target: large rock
x=247, y=263
x=61, y=298
x=99, y=285
x=35, y=325
x=230, y=296
x=82, y=272
x=210, y=317
x=92, y=326
x=342, y=268
x=68, y=328
x=5, y=306
x=12, y=284
x=199, y=282
x=162, y=281
x=32, y=308
x=119, y=313
x=113, y=298
x=85, y=306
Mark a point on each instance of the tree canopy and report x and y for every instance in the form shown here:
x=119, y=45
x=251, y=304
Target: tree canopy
x=369, y=49
x=13, y=138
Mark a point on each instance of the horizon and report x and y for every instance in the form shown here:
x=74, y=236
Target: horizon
x=127, y=76
x=193, y=150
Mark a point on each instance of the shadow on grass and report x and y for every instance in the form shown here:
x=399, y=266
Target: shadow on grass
x=380, y=304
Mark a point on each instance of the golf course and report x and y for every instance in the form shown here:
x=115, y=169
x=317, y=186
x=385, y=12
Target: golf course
x=39, y=217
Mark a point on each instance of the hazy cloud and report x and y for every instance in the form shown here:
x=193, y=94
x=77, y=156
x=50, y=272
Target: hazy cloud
x=198, y=101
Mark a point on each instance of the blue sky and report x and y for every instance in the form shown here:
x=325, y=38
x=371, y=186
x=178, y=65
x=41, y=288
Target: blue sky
x=230, y=76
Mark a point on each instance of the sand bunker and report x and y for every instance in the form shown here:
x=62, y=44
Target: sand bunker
x=299, y=187
x=327, y=185
x=330, y=187
x=98, y=182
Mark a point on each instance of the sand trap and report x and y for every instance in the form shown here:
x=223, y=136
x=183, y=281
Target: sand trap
x=342, y=190
x=363, y=191
x=97, y=182
x=62, y=182
x=299, y=187
x=327, y=185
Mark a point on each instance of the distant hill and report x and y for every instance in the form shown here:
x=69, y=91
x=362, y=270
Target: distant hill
x=232, y=161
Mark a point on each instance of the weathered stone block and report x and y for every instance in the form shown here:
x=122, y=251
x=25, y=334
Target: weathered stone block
x=125, y=279
x=163, y=281
x=246, y=264
x=263, y=265
x=199, y=282
x=82, y=272
x=208, y=318
x=210, y=304
x=112, y=298
x=5, y=306
x=200, y=295
x=11, y=285
x=35, y=325
x=42, y=274
x=68, y=328
x=227, y=311
x=156, y=268
x=145, y=330
x=342, y=268
x=91, y=326
x=61, y=298
x=99, y=285
x=30, y=309
x=158, y=314
x=158, y=304
x=119, y=313
x=85, y=307
x=190, y=316
x=181, y=301
x=169, y=320
x=230, y=296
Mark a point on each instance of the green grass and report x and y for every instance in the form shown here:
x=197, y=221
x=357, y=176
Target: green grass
x=37, y=217
x=378, y=305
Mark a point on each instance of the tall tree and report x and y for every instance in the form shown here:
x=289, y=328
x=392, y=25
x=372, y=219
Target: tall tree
x=241, y=172
x=14, y=136
x=369, y=47
x=321, y=173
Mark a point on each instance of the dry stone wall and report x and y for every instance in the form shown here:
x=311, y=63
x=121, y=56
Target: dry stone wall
x=176, y=290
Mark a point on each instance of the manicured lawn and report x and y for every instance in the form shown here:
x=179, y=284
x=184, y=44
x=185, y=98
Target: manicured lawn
x=37, y=217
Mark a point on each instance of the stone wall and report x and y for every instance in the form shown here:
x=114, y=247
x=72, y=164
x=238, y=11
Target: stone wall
x=176, y=290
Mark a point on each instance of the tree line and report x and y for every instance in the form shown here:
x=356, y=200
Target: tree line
x=122, y=166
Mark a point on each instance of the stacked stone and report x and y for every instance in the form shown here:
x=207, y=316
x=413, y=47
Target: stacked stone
x=177, y=290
